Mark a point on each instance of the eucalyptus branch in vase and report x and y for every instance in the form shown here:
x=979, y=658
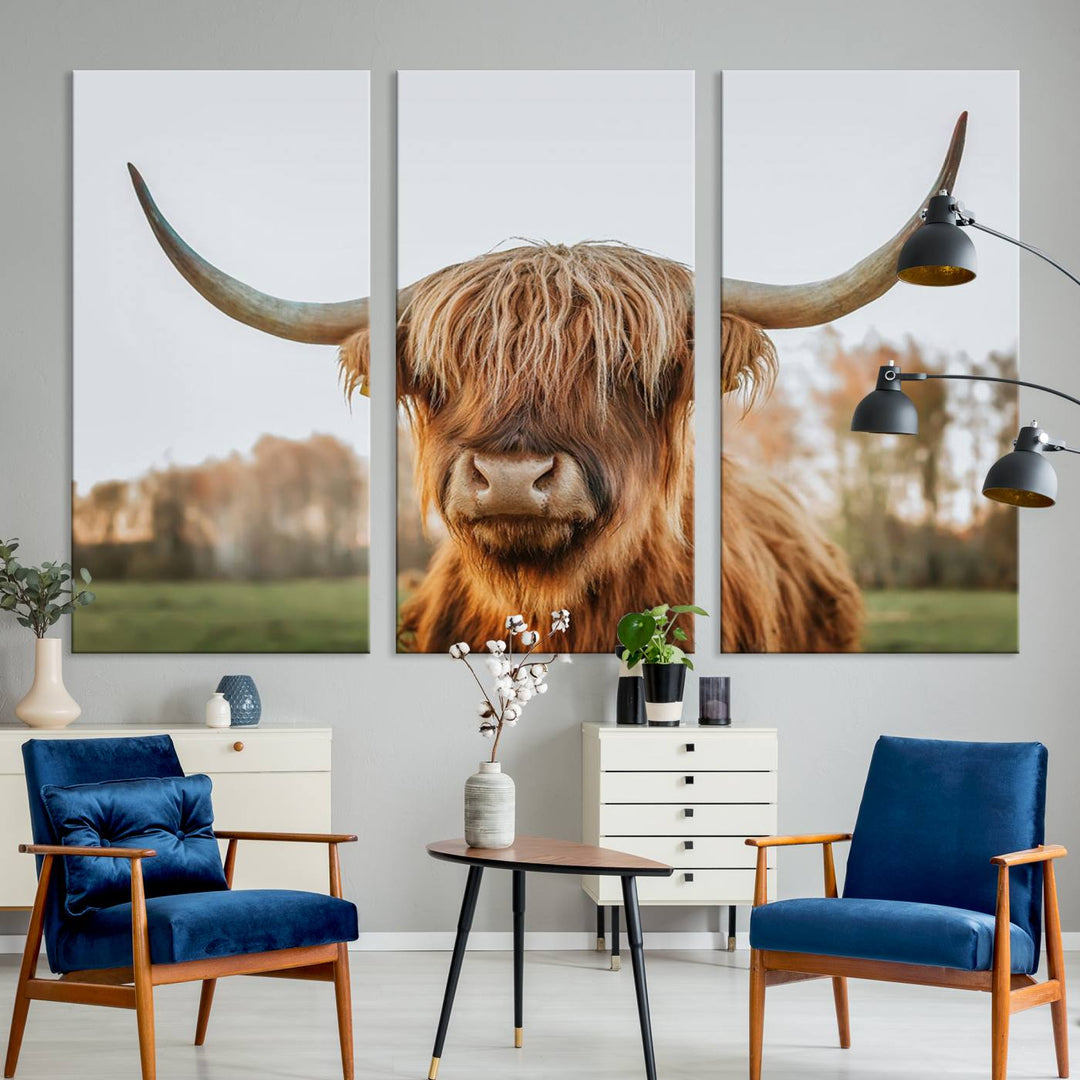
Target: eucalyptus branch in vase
x=518, y=679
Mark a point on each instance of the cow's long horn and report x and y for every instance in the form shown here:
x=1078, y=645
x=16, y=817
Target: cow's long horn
x=315, y=324
x=776, y=307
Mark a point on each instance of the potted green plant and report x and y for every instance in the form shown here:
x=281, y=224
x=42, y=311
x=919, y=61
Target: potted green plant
x=649, y=638
x=38, y=596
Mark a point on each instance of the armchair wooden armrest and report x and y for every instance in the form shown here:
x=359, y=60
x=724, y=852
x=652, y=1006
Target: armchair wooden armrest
x=332, y=839
x=793, y=841
x=1042, y=853
x=763, y=843
x=100, y=852
x=299, y=838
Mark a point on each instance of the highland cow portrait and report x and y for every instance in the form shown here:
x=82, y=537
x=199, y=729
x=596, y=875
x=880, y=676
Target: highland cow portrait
x=834, y=541
x=545, y=385
x=220, y=477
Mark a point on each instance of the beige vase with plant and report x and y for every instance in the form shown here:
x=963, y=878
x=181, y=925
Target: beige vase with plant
x=38, y=597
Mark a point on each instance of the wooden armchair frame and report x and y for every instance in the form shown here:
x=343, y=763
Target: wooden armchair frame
x=1009, y=993
x=133, y=987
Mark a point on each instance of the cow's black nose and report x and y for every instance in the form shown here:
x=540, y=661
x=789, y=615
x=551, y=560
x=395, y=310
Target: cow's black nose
x=512, y=483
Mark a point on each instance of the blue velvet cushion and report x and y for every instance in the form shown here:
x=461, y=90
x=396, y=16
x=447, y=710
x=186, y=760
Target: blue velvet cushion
x=897, y=930
x=933, y=815
x=198, y=926
x=171, y=815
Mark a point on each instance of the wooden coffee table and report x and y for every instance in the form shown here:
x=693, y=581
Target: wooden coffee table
x=541, y=855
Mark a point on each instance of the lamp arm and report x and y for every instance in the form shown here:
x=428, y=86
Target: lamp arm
x=918, y=376
x=1020, y=244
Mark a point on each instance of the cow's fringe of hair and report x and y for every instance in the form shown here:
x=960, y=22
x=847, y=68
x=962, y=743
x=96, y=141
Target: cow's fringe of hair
x=748, y=364
x=354, y=363
x=537, y=315
x=786, y=587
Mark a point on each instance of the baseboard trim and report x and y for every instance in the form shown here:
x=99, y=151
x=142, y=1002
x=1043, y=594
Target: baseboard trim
x=536, y=941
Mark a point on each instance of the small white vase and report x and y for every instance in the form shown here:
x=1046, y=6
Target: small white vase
x=489, y=808
x=218, y=711
x=48, y=704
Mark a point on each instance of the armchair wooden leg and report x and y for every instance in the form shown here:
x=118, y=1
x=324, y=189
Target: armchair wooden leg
x=1001, y=981
x=144, y=987
x=206, y=1000
x=1055, y=968
x=757, y=1011
x=29, y=968
x=343, y=993
x=843, y=1025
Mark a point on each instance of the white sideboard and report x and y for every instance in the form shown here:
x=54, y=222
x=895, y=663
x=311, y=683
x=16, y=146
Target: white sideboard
x=274, y=779
x=688, y=797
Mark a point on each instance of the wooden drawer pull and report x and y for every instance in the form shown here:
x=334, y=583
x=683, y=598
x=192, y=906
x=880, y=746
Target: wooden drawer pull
x=688, y=845
x=238, y=746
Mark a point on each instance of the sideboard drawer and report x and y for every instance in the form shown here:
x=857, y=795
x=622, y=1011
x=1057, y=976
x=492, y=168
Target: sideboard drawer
x=709, y=888
x=698, y=787
x=673, y=820
x=686, y=750
x=701, y=852
x=260, y=751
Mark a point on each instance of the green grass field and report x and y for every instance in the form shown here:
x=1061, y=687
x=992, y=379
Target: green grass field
x=310, y=615
x=933, y=620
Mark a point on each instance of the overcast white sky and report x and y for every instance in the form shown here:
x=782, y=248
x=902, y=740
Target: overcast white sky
x=266, y=174
x=563, y=156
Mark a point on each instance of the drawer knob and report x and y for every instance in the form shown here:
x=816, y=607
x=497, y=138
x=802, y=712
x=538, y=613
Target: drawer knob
x=689, y=747
x=688, y=812
x=688, y=779
x=238, y=746
x=688, y=878
x=688, y=845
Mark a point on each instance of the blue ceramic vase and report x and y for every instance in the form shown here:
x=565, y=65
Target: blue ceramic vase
x=243, y=698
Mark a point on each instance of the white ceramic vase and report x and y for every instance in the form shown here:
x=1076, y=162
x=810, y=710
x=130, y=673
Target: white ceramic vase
x=489, y=808
x=218, y=711
x=48, y=704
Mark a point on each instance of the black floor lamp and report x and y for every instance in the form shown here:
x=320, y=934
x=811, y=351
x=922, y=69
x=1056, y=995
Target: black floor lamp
x=939, y=253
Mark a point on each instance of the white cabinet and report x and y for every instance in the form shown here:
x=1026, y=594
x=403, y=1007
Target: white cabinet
x=270, y=779
x=686, y=796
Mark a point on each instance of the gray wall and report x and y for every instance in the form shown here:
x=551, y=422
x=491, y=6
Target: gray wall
x=403, y=726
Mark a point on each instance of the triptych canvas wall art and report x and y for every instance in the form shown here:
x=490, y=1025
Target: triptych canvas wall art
x=545, y=394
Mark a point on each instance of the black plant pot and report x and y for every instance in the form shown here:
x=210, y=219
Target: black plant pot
x=630, y=699
x=664, y=685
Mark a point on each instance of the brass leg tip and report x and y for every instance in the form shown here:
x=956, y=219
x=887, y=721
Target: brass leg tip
x=731, y=944
x=616, y=963
x=433, y=1072
x=601, y=945
x=518, y=1038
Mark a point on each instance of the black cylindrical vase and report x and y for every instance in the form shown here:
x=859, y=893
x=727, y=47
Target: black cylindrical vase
x=630, y=699
x=664, y=685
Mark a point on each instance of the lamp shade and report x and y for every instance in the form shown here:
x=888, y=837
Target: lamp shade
x=1023, y=477
x=886, y=410
x=939, y=252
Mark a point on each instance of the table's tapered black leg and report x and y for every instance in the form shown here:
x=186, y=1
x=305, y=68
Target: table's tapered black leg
x=600, y=943
x=519, y=955
x=616, y=956
x=731, y=911
x=637, y=958
x=468, y=909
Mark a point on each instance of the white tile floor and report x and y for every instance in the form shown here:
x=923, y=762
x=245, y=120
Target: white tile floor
x=580, y=1022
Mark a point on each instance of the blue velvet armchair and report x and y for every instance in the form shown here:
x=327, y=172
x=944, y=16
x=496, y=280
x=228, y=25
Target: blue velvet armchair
x=132, y=892
x=945, y=875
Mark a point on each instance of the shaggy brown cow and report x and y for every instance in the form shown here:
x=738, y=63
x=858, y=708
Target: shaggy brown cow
x=550, y=393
